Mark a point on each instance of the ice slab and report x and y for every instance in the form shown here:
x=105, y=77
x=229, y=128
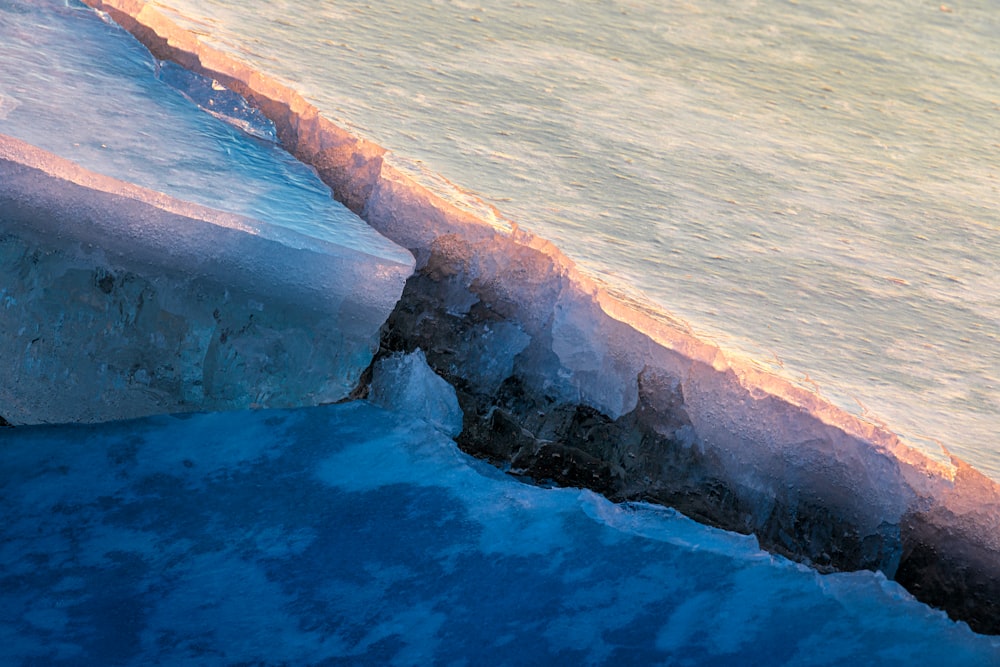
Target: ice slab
x=350, y=533
x=117, y=301
x=84, y=89
x=406, y=383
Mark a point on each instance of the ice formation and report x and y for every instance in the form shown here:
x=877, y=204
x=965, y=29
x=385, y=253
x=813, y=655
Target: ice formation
x=216, y=100
x=351, y=534
x=585, y=389
x=62, y=61
x=118, y=301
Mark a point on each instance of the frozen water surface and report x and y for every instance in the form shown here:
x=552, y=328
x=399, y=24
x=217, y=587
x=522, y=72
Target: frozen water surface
x=84, y=89
x=356, y=533
x=246, y=284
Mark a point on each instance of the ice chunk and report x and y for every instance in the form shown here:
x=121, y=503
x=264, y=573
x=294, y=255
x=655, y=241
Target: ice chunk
x=118, y=301
x=406, y=383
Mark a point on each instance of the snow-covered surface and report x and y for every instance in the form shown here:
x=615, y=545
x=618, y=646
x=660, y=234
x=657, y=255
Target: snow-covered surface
x=356, y=533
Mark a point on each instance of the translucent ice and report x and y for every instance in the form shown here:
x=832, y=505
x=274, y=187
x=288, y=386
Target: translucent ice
x=405, y=382
x=216, y=100
x=86, y=91
x=118, y=301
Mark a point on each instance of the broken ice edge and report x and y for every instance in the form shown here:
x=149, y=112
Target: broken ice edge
x=565, y=383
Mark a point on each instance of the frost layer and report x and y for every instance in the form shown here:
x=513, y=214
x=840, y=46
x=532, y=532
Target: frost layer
x=116, y=301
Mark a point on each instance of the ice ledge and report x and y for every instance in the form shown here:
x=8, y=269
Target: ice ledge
x=565, y=382
x=117, y=301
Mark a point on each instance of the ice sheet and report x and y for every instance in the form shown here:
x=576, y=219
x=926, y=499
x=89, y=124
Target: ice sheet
x=86, y=90
x=117, y=301
x=602, y=392
x=349, y=532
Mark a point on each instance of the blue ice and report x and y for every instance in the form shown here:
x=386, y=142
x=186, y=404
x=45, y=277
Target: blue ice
x=87, y=91
x=352, y=533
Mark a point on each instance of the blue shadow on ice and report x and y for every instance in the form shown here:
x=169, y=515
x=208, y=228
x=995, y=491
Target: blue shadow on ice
x=348, y=534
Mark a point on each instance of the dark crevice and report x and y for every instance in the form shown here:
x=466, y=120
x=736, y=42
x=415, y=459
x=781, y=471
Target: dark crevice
x=654, y=454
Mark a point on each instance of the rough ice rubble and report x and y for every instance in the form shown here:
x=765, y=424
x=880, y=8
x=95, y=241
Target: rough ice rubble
x=639, y=410
x=658, y=414
x=117, y=301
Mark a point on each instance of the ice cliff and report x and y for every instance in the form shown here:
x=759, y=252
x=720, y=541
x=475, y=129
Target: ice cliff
x=117, y=301
x=555, y=377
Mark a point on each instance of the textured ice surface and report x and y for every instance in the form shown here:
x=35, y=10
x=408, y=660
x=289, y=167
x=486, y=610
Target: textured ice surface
x=84, y=89
x=117, y=301
x=351, y=532
x=600, y=392
x=217, y=100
